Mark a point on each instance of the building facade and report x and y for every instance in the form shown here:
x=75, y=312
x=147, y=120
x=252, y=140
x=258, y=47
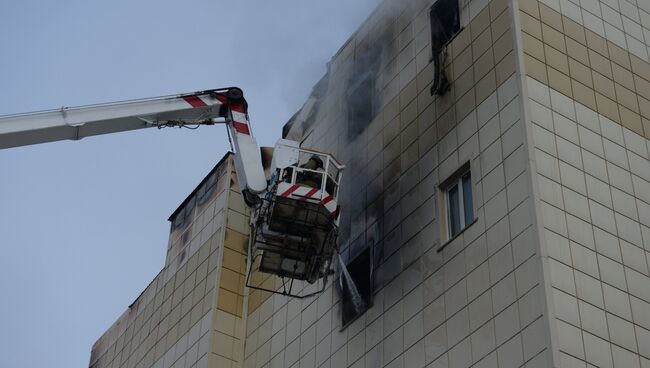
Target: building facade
x=192, y=310
x=502, y=221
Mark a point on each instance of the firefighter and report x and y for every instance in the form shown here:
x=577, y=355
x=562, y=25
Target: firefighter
x=311, y=178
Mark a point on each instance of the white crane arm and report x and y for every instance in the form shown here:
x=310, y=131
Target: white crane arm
x=199, y=108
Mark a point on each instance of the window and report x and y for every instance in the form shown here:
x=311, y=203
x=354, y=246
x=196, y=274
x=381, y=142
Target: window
x=356, y=286
x=360, y=89
x=445, y=24
x=458, y=201
x=361, y=104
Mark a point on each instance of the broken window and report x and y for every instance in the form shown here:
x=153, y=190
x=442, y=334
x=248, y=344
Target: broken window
x=361, y=96
x=356, y=286
x=445, y=24
x=360, y=90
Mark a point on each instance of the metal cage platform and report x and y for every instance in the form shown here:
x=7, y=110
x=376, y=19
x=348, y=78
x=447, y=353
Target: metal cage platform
x=295, y=241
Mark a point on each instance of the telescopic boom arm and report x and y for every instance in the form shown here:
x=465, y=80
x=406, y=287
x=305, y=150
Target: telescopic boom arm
x=294, y=216
x=184, y=110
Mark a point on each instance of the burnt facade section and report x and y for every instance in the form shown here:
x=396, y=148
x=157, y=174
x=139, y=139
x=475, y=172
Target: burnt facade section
x=445, y=24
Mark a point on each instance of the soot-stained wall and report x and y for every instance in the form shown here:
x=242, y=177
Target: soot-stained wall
x=476, y=300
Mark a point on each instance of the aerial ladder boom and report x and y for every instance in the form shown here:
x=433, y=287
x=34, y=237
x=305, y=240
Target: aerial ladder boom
x=294, y=208
x=192, y=109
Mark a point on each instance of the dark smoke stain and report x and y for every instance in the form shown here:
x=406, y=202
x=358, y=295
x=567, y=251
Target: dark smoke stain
x=361, y=91
x=318, y=93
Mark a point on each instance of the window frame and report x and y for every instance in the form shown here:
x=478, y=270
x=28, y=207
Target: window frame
x=368, y=297
x=455, y=180
x=462, y=220
x=440, y=38
x=363, y=101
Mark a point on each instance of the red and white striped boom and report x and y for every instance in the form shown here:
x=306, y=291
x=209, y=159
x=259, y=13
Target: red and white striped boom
x=199, y=108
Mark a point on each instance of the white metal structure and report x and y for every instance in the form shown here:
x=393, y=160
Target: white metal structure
x=199, y=108
x=295, y=244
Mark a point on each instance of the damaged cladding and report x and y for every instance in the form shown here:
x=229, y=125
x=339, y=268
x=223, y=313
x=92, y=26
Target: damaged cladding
x=361, y=228
x=363, y=103
x=356, y=285
x=359, y=250
x=361, y=91
x=445, y=24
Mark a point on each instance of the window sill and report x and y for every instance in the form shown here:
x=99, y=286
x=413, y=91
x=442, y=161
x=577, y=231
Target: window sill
x=444, y=245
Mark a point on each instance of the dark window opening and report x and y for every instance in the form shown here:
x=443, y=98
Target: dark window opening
x=356, y=286
x=361, y=110
x=445, y=24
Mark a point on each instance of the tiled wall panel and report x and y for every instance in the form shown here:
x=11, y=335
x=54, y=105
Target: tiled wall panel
x=594, y=207
x=474, y=301
x=586, y=66
x=590, y=136
x=625, y=23
x=170, y=325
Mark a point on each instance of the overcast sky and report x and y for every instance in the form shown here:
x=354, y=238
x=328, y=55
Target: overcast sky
x=83, y=225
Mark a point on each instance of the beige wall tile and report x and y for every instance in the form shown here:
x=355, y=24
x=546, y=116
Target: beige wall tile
x=461, y=63
x=483, y=64
x=644, y=107
x=500, y=25
x=580, y=72
x=559, y=81
x=646, y=127
x=640, y=67
x=619, y=55
x=231, y=281
x=465, y=104
x=550, y=17
x=480, y=23
x=485, y=87
x=497, y=7
x=584, y=94
x=574, y=30
x=631, y=120
x=607, y=107
x=460, y=42
x=623, y=76
x=530, y=7
x=502, y=46
x=577, y=51
x=556, y=59
x=482, y=43
x=533, y=46
x=642, y=86
x=253, y=300
x=464, y=82
x=446, y=121
x=236, y=241
x=227, y=301
x=535, y=69
x=603, y=85
x=626, y=98
x=424, y=80
x=444, y=102
x=232, y=260
x=505, y=68
x=600, y=64
x=531, y=25
x=596, y=43
x=553, y=38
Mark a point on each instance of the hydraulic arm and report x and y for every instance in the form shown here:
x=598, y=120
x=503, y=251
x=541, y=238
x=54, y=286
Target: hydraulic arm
x=191, y=109
x=294, y=210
